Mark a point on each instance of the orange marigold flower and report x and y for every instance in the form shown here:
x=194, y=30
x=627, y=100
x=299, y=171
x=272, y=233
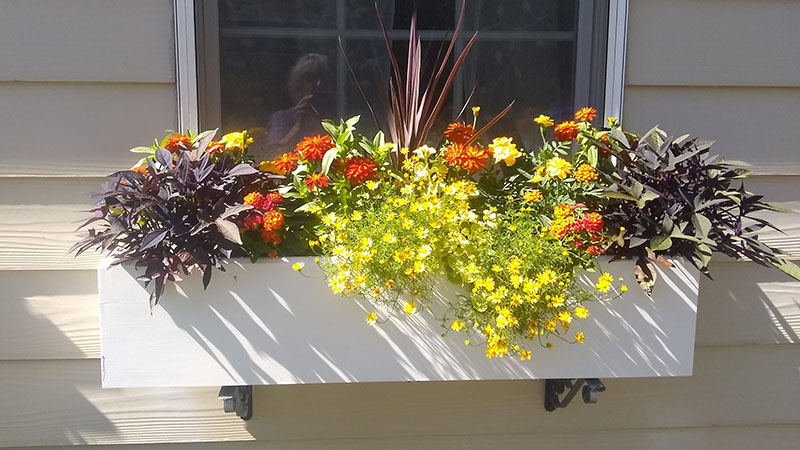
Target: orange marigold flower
x=595, y=250
x=562, y=211
x=316, y=180
x=359, y=169
x=313, y=148
x=271, y=236
x=593, y=222
x=585, y=173
x=567, y=131
x=560, y=227
x=253, y=220
x=586, y=114
x=458, y=133
x=215, y=147
x=273, y=220
x=286, y=163
x=470, y=158
x=141, y=170
x=177, y=142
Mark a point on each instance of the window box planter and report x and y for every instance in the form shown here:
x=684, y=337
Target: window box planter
x=263, y=323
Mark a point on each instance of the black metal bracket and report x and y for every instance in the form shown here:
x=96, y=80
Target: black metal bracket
x=237, y=399
x=554, y=388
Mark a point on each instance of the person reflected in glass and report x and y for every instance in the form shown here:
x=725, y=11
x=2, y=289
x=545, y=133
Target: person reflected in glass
x=310, y=91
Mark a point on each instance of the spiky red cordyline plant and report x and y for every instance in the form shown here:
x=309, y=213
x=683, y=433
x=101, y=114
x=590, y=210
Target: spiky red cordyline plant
x=413, y=109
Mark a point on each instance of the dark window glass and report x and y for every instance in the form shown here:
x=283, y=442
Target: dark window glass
x=280, y=69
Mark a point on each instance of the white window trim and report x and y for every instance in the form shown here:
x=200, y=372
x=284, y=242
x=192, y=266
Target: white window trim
x=186, y=62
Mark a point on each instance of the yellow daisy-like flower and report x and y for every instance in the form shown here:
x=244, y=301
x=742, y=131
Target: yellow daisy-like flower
x=298, y=266
x=546, y=277
x=544, y=121
x=372, y=318
x=410, y=308
x=558, y=167
x=524, y=354
x=505, y=150
x=581, y=312
x=579, y=336
x=457, y=325
x=604, y=282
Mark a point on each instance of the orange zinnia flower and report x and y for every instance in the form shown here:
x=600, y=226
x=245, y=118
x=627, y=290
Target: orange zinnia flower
x=215, y=147
x=273, y=220
x=286, y=163
x=313, y=148
x=567, y=131
x=458, y=133
x=141, y=170
x=316, y=180
x=585, y=114
x=177, y=142
x=470, y=158
x=359, y=169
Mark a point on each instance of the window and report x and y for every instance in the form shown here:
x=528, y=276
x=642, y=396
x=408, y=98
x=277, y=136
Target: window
x=275, y=67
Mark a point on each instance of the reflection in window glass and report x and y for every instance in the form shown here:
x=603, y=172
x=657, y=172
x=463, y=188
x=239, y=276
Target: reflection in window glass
x=281, y=70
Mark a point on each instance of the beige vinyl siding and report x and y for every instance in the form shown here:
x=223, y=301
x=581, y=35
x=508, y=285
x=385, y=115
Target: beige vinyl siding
x=91, y=78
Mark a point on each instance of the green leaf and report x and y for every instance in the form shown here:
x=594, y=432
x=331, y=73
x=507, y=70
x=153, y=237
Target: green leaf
x=619, y=195
x=591, y=156
x=332, y=129
x=351, y=122
x=658, y=243
x=620, y=137
x=702, y=225
x=328, y=158
x=148, y=150
x=646, y=197
x=789, y=268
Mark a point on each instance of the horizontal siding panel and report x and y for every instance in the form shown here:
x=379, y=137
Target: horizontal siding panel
x=87, y=40
x=76, y=129
x=713, y=43
x=728, y=438
x=54, y=314
x=60, y=403
x=754, y=125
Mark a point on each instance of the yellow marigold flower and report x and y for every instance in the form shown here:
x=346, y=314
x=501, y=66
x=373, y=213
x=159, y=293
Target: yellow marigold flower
x=544, y=121
x=532, y=196
x=524, y=354
x=457, y=325
x=579, y=336
x=581, y=312
x=562, y=211
x=558, y=167
x=585, y=173
x=505, y=150
x=298, y=266
x=612, y=121
x=410, y=308
x=372, y=318
x=541, y=172
x=236, y=140
x=604, y=282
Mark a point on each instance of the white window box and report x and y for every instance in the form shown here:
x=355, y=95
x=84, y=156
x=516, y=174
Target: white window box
x=263, y=323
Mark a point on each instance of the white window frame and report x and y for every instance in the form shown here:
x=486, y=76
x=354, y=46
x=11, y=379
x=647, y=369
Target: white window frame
x=186, y=70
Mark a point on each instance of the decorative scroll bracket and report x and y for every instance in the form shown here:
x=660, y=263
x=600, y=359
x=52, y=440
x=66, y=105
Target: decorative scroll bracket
x=237, y=399
x=554, y=388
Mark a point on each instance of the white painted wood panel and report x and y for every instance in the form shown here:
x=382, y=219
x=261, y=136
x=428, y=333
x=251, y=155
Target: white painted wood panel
x=758, y=125
x=79, y=129
x=61, y=402
x=87, y=40
x=713, y=43
x=263, y=323
x=689, y=438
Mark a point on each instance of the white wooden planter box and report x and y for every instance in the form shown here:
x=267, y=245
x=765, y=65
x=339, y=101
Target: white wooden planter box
x=263, y=323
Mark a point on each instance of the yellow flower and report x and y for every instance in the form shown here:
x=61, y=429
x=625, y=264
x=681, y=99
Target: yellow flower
x=356, y=216
x=544, y=121
x=298, y=266
x=236, y=140
x=546, y=277
x=558, y=167
x=623, y=289
x=424, y=251
x=329, y=218
x=505, y=150
x=372, y=318
x=389, y=239
x=457, y=325
x=476, y=110
x=371, y=185
x=496, y=268
x=604, y=282
x=410, y=308
x=505, y=318
x=579, y=336
x=562, y=211
x=524, y=354
x=532, y=196
x=612, y=121
x=389, y=283
x=581, y=312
